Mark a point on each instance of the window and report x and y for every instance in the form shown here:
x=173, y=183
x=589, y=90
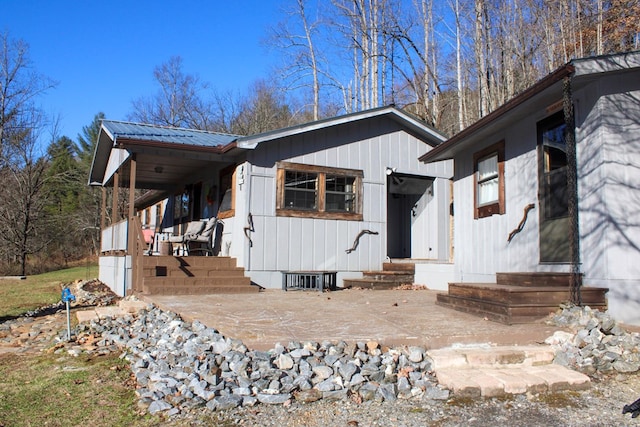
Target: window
x=319, y=192
x=554, y=168
x=227, y=194
x=489, y=181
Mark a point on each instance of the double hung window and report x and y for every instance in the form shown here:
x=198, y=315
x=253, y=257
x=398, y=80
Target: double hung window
x=489, y=181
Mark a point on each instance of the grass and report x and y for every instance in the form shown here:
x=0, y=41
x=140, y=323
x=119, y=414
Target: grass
x=20, y=296
x=53, y=390
x=58, y=390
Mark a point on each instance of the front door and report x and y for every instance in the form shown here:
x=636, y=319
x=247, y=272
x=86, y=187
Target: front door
x=553, y=194
x=407, y=200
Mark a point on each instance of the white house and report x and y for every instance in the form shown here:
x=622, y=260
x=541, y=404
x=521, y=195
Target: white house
x=342, y=195
x=513, y=193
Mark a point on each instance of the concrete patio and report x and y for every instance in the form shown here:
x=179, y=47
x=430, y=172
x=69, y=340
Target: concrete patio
x=394, y=317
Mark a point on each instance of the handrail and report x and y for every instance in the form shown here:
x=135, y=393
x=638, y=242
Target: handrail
x=522, y=223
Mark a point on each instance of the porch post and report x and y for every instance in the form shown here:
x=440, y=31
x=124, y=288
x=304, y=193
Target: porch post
x=575, y=281
x=114, y=198
x=103, y=209
x=131, y=229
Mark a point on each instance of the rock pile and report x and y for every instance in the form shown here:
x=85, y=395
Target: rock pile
x=179, y=365
x=597, y=345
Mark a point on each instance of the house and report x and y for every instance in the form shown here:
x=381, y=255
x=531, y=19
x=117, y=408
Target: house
x=548, y=186
x=341, y=195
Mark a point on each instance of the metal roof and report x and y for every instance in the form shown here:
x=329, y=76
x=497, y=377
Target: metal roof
x=431, y=136
x=146, y=132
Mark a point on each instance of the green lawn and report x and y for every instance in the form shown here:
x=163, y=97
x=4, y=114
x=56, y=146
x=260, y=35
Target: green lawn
x=48, y=389
x=19, y=296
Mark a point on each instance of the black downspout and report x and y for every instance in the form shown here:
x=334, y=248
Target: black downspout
x=575, y=280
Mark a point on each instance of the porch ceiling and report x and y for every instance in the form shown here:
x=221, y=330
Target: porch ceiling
x=167, y=169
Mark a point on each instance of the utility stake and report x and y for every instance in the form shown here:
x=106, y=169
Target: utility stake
x=67, y=296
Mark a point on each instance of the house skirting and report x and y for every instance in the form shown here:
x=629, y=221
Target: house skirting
x=115, y=272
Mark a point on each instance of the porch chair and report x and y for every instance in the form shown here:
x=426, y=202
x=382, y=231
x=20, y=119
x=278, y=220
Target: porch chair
x=200, y=232
x=204, y=239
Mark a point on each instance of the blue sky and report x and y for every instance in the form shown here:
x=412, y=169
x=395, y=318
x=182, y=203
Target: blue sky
x=102, y=53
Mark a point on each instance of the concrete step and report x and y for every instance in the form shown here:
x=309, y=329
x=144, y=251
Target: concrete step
x=124, y=307
x=488, y=371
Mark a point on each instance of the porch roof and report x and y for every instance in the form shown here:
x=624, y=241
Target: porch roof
x=165, y=156
x=545, y=94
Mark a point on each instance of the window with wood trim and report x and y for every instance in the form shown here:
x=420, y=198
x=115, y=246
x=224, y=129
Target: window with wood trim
x=227, y=195
x=489, y=181
x=553, y=179
x=318, y=192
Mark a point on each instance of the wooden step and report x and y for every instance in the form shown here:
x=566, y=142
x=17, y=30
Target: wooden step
x=514, y=295
x=197, y=285
x=163, y=271
x=370, y=284
x=399, y=266
x=400, y=277
x=534, y=279
x=495, y=311
x=213, y=262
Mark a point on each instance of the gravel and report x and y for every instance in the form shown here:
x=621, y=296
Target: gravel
x=282, y=401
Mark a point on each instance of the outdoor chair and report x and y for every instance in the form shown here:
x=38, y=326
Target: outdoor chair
x=198, y=232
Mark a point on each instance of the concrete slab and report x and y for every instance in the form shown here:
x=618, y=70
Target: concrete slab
x=394, y=317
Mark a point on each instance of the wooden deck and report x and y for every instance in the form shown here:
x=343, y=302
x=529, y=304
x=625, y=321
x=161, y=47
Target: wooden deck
x=518, y=297
x=194, y=275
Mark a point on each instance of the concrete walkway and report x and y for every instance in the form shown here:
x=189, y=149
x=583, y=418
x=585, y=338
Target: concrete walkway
x=395, y=317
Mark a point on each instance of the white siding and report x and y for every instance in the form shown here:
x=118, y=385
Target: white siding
x=285, y=243
x=609, y=155
x=608, y=148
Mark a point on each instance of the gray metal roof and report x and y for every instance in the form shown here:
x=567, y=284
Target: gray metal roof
x=431, y=136
x=138, y=131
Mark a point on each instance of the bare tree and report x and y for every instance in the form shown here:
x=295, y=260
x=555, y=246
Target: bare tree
x=178, y=102
x=297, y=37
x=20, y=85
x=23, y=178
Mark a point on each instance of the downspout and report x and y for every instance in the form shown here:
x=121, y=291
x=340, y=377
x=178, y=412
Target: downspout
x=575, y=280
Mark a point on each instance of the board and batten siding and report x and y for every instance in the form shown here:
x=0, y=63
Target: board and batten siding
x=289, y=243
x=481, y=245
x=609, y=189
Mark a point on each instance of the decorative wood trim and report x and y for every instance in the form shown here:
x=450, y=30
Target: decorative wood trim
x=319, y=169
x=320, y=215
x=321, y=172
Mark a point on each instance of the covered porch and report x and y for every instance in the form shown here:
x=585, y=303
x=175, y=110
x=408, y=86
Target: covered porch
x=185, y=176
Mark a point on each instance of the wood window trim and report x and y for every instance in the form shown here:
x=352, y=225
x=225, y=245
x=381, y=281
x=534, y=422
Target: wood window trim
x=322, y=172
x=497, y=208
x=229, y=213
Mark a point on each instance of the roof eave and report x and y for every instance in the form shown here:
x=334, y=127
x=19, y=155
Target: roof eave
x=446, y=150
x=251, y=142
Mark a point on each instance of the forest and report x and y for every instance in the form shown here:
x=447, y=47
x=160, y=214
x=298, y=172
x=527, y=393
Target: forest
x=448, y=62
